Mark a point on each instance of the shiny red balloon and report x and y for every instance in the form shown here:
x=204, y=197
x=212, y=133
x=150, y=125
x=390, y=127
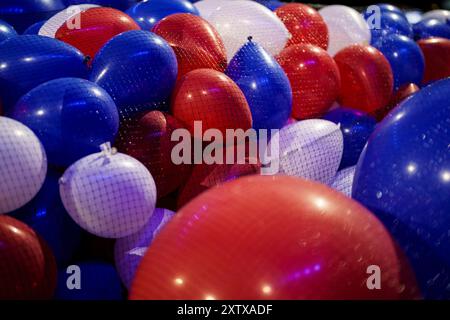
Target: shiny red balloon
x=195, y=42
x=276, y=237
x=211, y=97
x=366, y=78
x=437, y=56
x=27, y=266
x=401, y=94
x=304, y=24
x=314, y=78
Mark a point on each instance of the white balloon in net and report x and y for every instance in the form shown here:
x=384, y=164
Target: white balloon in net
x=238, y=20
x=129, y=251
x=310, y=149
x=343, y=181
x=109, y=194
x=206, y=7
x=346, y=26
x=440, y=14
x=23, y=165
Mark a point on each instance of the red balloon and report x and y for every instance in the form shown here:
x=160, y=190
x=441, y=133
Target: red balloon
x=97, y=26
x=314, y=78
x=211, y=97
x=195, y=42
x=366, y=78
x=304, y=24
x=437, y=57
x=27, y=266
x=272, y=237
x=401, y=94
x=149, y=141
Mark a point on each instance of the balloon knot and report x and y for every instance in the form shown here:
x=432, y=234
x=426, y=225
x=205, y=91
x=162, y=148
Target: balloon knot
x=107, y=149
x=87, y=59
x=250, y=38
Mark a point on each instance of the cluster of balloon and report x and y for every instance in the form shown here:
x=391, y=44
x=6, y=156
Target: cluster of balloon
x=109, y=194
x=264, y=84
x=116, y=4
x=28, y=61
x=148, y=13
x=304, y=24
x=129, y=251
x=356, y=127
x=437, y=53
x=387, y=22
x=266, y=262
x=343, y=181
x=358, y=91
x=23, y=165
x=57, y=111
x=428, y=28
x=314, y=78
x=346, y=26
x=6, y=31
x=195, y=42
x=28, y=268
x=407, y=189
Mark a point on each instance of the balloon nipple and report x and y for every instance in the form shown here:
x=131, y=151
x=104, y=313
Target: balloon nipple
x=250, y=38
x=87, y=59
x=107, y=149
x=62, y=180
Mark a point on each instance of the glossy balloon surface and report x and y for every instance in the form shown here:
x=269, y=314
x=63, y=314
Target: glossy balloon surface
x=117, y=4
x=391, y=22
x=429, y=28
x=343, y=181
x=437, y=54
x=6, y=31
x=34, y=28
x=440, y=14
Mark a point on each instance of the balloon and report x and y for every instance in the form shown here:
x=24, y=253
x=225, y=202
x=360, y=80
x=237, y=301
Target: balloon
x=442, y=15
x=206, y=7
x=34, y=28
x=149, y=141
x=405, y=57
x=356, y=127
x=345, y=27
x=211, y=97
x=385, y=8
x=47, y=216
x=314, y=78
x=429, y=28
x=129, y=251
x=109, y=194
x=72, y=117
x=237, y=20
x=401, y=94
x=28, y=268
x=98, y=281
x=117, y=4
x=136, y=67
x=414, y=16
x=305, y=25
x=391, y=22
x=28, y=61
x=309, y=149
x=271, y=4
x=23, y=165
x=358, y=90
x=285, y=239
x=264, y=84
x=437, y=54
x=148, y=13
x=403, y=177
x=6, y=31
x=344, y=180
x=196, y=43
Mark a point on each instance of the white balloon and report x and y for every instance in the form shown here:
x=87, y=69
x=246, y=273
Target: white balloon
x=23, y=165
x=310, y=149
x=109, y=194
x=414, y=16
x=346, y=26
x=343, y=181
x=439, y=14
x=129, y=251
x=206, y=7
x=238, y=20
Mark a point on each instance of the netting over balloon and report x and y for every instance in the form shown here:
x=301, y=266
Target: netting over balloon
x=343, y=181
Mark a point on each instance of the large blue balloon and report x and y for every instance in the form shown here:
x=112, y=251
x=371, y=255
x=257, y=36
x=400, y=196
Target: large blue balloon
x=429, y=28
x=148, y=13
x=6, y=31
x=404, y=56
x=403, y=176
x=136, y=68
x=356, y=127
x=28, y=61
x=264, y=84
x=34, y=28
x=390, y=22
x=117, y=4
x=72, y=118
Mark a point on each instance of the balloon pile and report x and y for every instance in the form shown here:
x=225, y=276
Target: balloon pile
x=223, y=149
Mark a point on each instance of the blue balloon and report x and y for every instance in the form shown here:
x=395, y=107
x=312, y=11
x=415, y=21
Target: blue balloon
x=271, y=4
x=405, y=57
x=356, y=127
x=28, y=61
x=72, y=118
x=390, y=22
x=264, y=84
x=46, y=215
x=34, y=28
x=6, y=31
x=117, y=4
x=386, y=7
x=136, y=68
x=429, y=28
x=403, y=176
x=98, y=281
x=148, y=13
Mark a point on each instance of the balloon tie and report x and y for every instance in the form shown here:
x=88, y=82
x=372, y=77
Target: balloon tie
x=250, y=38
x=107, y=149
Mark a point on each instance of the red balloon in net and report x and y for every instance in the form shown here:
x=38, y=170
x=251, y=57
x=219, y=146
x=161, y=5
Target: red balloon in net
x=437, y=56
x=277, y=237
x=314, y=78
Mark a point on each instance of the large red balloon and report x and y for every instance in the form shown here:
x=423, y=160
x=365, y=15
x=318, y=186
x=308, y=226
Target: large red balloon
x=27, y=266
x=314, y=78
x=437, y=57
x=304, y=24
x=277, y=237
x=366, y=78
x=195, y=42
